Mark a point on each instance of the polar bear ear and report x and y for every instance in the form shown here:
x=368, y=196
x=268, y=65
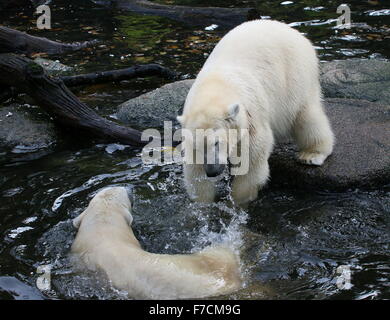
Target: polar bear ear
x=233, y=111
x=180, y=119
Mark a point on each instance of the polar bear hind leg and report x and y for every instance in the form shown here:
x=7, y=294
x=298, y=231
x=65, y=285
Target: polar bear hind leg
x=313, y=134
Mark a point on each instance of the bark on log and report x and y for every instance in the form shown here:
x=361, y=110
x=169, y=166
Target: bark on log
x=58, y=101
x=119, y=75
x=7, y=93
x=20, y=42
x=225, y=18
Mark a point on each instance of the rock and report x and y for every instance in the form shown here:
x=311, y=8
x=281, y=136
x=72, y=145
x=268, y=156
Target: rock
x=25, y=130
x=155, y=107
x=361, y=154
x=357, y=79
x=354, y=79
x=14, y=289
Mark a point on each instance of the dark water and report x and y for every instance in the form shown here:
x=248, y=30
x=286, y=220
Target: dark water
x=291, y=243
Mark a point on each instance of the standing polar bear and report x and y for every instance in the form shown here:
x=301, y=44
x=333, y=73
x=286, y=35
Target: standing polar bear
x=106, y=242
x=263, y=76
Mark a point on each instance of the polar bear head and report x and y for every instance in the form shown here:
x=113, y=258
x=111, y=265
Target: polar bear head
x=110, y=202
x=213, y=134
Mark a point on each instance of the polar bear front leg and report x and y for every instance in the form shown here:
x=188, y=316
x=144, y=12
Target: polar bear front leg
x=199, y=186
x=246, y=187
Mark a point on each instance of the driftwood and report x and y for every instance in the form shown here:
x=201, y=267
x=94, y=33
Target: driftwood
x=146, y=70
x=20, y=42
x=225, y=18
x=59, y=102
x=119, y=75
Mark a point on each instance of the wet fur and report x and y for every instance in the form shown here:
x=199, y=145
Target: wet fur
x=272, y=72
x=106, y=242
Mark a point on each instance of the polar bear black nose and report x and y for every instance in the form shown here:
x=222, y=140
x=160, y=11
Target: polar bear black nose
x=213, y=170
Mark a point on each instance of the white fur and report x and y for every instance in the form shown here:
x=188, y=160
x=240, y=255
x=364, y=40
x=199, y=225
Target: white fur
x=271, y=71
x=105, y=241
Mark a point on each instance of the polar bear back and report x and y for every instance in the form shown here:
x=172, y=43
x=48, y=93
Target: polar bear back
x=271, y=66
x=213, y=271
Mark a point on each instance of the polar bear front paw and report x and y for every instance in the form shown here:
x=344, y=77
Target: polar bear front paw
x=315, y=159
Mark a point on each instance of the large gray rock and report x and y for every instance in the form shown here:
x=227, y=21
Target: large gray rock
x=360, y=157
x=153, y=108
x=357, y=79
x=353, y=79
x=24, y=130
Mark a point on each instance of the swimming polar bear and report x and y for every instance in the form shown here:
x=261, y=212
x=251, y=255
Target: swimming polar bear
x=105, y=241
x=263, y=77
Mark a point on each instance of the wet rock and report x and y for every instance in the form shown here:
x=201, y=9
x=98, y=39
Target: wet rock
x=357, y=79
x=12, y=288
x=24, y=130
x=361, y=154
x=155, y=107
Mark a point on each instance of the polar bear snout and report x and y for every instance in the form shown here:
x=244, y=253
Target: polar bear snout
x=213, y=170
x=215, y=154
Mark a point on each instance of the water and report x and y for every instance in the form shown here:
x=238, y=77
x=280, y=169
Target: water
x=291, y=243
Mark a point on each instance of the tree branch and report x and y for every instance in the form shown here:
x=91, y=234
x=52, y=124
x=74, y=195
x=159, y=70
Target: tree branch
x=58, y=101
x=119, y=75
x=20, y=42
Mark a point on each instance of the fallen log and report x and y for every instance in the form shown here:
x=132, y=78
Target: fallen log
x=225, y=18
x=119, y=75
x=20, y=42
x=59, y=102
x=146, y=70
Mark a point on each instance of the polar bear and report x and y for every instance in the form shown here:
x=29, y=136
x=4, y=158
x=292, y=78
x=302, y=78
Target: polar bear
x=263, y=76
x=106, y=242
